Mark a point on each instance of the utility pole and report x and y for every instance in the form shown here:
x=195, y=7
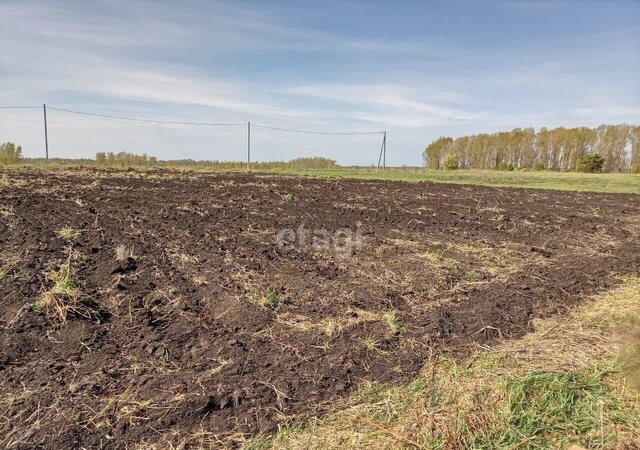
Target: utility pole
x=46, y=136
x=248, y=144
x=384, y=151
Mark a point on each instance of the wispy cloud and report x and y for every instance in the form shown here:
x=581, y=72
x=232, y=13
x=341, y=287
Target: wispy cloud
x=389, y=104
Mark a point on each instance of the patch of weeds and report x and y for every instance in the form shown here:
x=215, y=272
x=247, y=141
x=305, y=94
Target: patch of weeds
x=392, y=322
x=373, y=345
x=63, y=281
x=60, y=300
x=288, y=196
x=370, y=343
x=544, y=409
x=273, y=442
x=268, y=300
x=260, y=443
x=417, y=385
x=68, y=233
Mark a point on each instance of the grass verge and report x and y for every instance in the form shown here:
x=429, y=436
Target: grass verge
x=564, y=181
x=571, y=382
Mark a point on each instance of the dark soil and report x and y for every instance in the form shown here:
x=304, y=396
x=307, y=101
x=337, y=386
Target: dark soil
x=188, y=321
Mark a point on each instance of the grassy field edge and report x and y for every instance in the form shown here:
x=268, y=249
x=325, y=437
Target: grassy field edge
x=564, y=181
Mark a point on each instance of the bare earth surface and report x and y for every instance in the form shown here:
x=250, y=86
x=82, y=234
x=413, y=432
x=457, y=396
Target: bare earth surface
x=185, y=316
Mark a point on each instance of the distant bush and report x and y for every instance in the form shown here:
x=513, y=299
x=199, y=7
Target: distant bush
x=310, y=163
x=451, y=162
x=10, y=153
x=635, y=168
x=539, y=166
x=590, y=163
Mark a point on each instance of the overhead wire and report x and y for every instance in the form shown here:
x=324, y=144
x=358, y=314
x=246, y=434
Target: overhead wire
x=179, y=122
x=337, y=133
x=136, y=119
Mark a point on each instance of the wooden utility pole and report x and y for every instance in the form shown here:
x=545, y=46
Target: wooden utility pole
x=384, y=151
x=46, y=136
x=248, y=145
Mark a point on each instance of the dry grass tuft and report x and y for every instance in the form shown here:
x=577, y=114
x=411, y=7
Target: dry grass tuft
x=332, y=326
x=62, y=298
x=161, y=304
x=437, y=259
x=123, y=407
x=123, y=252
x=68, y=233
x=392, y=322
x=267, y=299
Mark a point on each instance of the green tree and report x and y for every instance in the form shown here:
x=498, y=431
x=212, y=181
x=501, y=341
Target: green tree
x=435, y=151
x=10, y=153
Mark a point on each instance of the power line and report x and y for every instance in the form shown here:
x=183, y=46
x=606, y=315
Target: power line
x=175, y=122
x=346, y=133
x=134, y=119
x=172, y=122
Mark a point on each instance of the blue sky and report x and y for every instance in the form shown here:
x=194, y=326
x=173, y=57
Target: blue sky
x=416, y=69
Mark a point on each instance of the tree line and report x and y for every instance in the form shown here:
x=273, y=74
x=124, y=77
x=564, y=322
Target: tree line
x=564, y=149
x=125, y=159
